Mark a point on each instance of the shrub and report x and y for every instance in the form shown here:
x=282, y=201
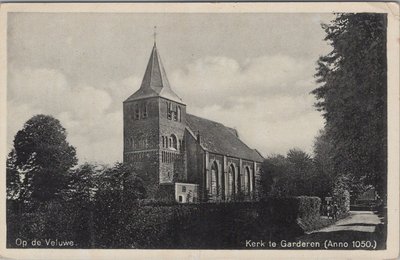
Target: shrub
x=152, y=224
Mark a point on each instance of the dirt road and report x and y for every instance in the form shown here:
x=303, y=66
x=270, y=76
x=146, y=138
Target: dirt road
x=361, y=230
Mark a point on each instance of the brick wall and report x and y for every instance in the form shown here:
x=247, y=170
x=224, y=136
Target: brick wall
x=172, y=161
x=141, y=140
x=195, y=162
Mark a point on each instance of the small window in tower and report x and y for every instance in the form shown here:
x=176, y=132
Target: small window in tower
x=174, y=114
x=169, y=110
x=183, y=188
x=179, y=113
x=137, y=111
x=144, y=111
x=173, y=142
x=163, y=141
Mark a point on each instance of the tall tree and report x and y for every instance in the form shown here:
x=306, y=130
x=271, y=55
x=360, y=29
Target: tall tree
x=288, y=176
x=323, y=165
x=42, y=157
x=13, y=181
x=352, y=97
x=273, y=169
x=301, y=172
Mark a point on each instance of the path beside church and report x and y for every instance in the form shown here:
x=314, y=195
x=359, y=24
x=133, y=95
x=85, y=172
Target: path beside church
x=359, y=226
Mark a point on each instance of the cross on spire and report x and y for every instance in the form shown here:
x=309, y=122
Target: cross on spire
x=155, y=34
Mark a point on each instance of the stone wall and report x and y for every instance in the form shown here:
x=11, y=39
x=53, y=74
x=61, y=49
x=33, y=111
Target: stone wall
x=141, y=140
x=172, y=161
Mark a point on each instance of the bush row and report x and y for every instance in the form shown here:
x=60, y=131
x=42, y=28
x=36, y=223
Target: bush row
x=165, y=225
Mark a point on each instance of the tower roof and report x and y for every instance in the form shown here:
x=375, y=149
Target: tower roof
x=155, y=82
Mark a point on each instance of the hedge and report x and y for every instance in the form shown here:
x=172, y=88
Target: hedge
x=148, y=224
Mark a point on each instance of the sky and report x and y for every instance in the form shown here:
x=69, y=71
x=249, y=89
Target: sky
x=253, y=72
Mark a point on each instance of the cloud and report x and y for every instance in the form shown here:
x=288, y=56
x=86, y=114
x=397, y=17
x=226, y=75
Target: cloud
x=222, y=80
x=121, y=90
x=266, y=98
x=82, y=110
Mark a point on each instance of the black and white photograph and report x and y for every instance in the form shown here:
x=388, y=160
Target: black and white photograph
x=235, y=128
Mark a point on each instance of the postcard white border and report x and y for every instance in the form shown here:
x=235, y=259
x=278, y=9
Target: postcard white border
x=392, y=9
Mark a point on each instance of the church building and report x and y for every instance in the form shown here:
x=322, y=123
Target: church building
x=181, y=156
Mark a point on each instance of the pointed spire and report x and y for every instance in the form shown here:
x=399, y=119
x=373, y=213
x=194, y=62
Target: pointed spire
x=155, y=35
x=155, y=81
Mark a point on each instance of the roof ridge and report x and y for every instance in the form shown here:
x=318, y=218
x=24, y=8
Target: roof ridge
x=207, y=119
x=252, y=153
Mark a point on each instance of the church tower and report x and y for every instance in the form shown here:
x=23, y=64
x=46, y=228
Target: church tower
x=154, y=126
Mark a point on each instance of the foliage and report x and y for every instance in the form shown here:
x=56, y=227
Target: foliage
x=323, y=165
x=173, y=225
x=293, y=175
x=89, y=210
x=352, y=97
x=13, y=182
x=41, y=158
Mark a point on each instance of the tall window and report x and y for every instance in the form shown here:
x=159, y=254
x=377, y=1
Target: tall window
x=144, y=111
x=174, y=114
x=179, y=113
x=137, y=111
x=173, y=142
x=169, y=110
x=247, y=182
x=214, y=178
x=242, y=181
x=231, y=181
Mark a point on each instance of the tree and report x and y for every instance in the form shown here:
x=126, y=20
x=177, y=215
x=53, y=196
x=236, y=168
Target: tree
x=119, y=188
x=272, y=169
x=84, y=182
x=301, y=172
x=323, y=165
x=42, y=157
x=288, y=176
x=12, y=177
x=352, y=97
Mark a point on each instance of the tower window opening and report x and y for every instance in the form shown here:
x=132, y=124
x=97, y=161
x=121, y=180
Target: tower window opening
x=175, y=114
x=137, y=112
x=179, y=112
x=144, y=111
x=173, y=142
x=169, y=110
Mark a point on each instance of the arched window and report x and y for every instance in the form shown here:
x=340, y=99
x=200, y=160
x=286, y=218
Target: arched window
x=253, y=180
x=137, y=111
x=247, y=182
x=214, y=179
x=173, y=142
x=242, y=177
x=179, y=113
x=169, y=110
x=144, y=110
x=230, y=181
